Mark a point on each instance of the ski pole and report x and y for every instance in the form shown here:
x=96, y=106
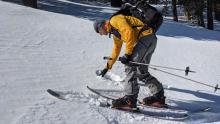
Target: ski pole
x=215, y=87
x=187, y=70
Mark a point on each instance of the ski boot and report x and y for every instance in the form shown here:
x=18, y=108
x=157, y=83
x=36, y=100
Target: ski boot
x=157, y=100
x=128, y=102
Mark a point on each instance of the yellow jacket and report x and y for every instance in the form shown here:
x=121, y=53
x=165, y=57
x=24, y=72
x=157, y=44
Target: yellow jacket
x=129, y=35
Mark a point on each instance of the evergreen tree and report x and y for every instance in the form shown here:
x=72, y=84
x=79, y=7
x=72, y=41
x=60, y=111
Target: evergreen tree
x=199, y=8
x=209, y=14
x=175, y=17
x=217, y=9
x=30, y=3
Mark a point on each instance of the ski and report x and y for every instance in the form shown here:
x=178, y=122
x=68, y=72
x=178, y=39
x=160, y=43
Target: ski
x=203, y=109
x=161, y=113
x=100, y=94
x=107, y=104
x=55, y=94
x=141, y=109
x=167, y=107
x=109, y=77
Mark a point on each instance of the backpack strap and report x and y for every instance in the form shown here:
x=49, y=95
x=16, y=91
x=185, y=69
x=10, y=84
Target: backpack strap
x=126, y=12
x=144, y=28
x=115, y=32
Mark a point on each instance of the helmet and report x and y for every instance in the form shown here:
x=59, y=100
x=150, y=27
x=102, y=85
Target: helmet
x=97, y=24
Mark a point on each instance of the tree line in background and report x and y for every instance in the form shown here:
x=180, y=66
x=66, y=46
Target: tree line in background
x=30, y=3
x=194, y=10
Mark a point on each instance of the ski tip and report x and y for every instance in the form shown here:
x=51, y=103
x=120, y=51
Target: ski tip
x=48, y=90
x=88, y=87
x=53, y=93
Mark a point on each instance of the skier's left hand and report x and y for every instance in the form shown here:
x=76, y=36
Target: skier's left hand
x=103, y=72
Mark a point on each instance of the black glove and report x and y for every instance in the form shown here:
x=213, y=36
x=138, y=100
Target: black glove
x=125, y=59
x=103, y=72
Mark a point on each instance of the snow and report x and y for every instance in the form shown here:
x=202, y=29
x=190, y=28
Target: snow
x=56, y=47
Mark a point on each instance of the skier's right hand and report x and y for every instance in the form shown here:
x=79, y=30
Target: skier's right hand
x=125, y=59
x=103, y=72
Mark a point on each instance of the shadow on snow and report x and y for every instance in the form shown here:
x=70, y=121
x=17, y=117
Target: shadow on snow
x=76, y=9
x=181, y=30
x=210, y=100
x=92, y=11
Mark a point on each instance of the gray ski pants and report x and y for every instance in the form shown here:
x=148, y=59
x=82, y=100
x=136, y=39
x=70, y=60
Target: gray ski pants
x=142, y=52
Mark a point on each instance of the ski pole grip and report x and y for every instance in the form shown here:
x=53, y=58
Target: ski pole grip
x=187, y=71
x=107, y=58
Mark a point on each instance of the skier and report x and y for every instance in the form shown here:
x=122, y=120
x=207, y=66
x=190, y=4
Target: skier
x=140, y=44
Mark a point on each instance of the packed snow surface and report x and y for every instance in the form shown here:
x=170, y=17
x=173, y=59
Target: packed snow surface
x=56, y=47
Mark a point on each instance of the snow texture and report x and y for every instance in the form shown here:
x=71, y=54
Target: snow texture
x=56, y=47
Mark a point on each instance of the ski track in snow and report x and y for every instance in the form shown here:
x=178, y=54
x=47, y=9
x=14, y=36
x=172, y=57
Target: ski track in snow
x=41, y=49
x=41, y=113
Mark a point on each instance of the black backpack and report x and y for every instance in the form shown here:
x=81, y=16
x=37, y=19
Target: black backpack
x=140, y=9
